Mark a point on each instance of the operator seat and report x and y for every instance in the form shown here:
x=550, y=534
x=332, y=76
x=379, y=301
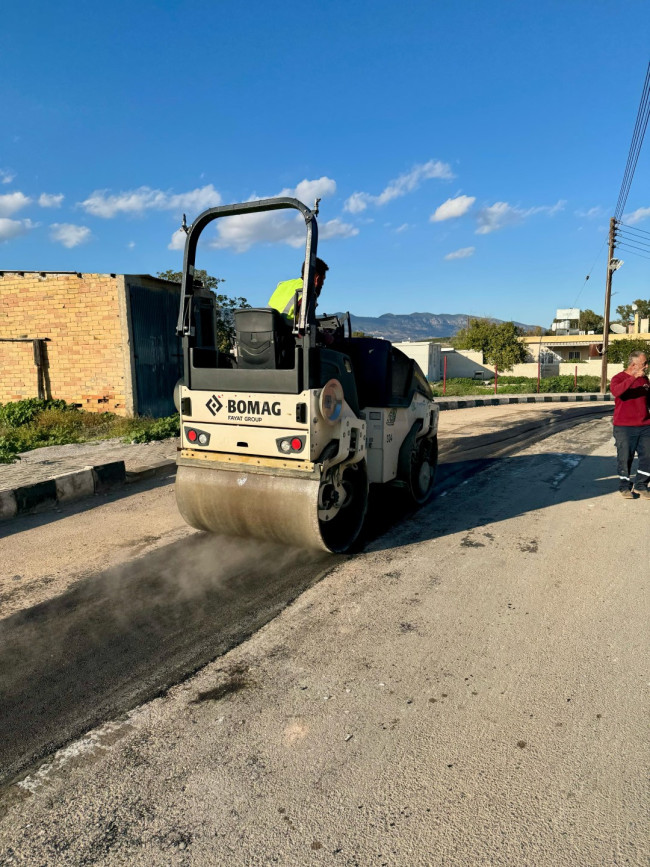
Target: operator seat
x=264, y=341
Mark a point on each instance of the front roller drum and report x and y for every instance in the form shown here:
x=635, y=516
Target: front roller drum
x=282, y=509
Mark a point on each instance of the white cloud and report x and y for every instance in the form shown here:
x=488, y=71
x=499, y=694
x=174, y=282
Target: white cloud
x=101, y=204
x=277, y=227
x=452, y=208
x=241, y=232
x=552, y=210
x=6, y=176
x=496, y=216
x=12, y=202
x=131, y=245
x=405, y=183
x=357, y=203
x=177, y=240
x=401, y=228
x=13, y=228
x=637, y=216
x=50, y=200
x=69, y=235
x=463, y=253
x=306, y=191
x=501, y=214
x=590, y=214
x=334, y=229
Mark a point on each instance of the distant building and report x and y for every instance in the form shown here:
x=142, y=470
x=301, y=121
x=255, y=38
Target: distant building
x=427, y=355
x=567, y=321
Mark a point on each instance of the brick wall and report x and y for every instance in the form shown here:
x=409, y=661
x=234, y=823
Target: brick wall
x=82, y=318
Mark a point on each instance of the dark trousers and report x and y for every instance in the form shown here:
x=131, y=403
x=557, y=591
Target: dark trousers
x=631, y=440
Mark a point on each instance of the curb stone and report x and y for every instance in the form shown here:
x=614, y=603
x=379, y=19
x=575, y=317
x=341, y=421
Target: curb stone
x=465, y=403
x=77, y=485
x=65, y=488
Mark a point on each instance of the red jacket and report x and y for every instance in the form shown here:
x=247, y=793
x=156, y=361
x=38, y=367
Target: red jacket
x=631, y=399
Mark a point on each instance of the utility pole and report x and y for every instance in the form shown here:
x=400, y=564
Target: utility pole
x=608, y=298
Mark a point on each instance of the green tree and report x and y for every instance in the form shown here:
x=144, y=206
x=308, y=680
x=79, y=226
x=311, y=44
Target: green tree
x=225, y=305
x=626, y=313
x=476, y=336
x=199, y=274
x=499, y=342
x=590, y=321
x=618, y=351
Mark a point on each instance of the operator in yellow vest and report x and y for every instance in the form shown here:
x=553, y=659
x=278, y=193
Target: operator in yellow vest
x=284, y=296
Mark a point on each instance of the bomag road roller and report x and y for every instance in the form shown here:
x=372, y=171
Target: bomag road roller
x=282, y=436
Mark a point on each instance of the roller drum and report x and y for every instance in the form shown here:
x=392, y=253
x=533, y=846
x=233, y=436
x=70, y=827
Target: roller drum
x=228, y=502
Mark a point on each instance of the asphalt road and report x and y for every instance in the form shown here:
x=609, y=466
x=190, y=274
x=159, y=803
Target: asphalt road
x=120, y=637
x=469, y=689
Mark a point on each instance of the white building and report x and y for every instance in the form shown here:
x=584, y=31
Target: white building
x=567, y=321
x=426, y=353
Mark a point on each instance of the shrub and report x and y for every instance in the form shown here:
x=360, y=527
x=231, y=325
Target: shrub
x=156, y=429
x=30, y=424
x=566, y=384
x=22, y=412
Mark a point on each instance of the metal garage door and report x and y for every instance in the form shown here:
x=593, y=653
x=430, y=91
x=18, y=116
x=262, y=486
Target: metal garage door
x=157, y=349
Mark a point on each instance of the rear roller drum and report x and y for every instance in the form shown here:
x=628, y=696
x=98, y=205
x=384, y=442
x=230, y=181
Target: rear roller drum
x=418, y=464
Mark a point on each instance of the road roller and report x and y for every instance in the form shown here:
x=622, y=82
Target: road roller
x=282, y=435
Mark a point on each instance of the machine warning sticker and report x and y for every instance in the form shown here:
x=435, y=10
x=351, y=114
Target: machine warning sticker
x=391, y=416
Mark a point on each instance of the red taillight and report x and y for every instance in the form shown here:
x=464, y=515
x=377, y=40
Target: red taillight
x=191, y=435
x=296, y=444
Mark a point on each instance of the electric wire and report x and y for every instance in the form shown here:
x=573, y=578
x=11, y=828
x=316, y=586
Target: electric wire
x=598, y=254
x=638, y=135
x=635, y=146
x=634, y=251
x=633, y=239
x=626, y=228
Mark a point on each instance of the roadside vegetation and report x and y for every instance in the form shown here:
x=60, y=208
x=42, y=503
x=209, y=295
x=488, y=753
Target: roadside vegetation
x=517, y=385
x=30, y=424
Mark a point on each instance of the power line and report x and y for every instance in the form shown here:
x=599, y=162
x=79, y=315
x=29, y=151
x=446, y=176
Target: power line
x=633, y=251
x=590, y=271
x=633, y=239
x=628, y=228
x=635, y=146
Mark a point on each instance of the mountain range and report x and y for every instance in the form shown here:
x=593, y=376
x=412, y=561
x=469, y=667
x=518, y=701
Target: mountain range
x=415, y=326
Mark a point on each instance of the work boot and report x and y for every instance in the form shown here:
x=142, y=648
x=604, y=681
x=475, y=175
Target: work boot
x=628, y=494
x=643, y=492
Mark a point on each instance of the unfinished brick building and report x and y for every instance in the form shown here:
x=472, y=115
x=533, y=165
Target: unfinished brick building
x=101, y=341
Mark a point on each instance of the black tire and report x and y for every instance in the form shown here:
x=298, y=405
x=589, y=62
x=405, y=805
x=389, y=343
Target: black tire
x=341, y=532
x=418, y=462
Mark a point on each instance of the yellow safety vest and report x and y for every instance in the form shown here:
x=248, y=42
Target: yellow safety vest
x=284, y=296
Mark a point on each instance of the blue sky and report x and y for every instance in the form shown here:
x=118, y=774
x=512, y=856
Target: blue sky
x=468, y=154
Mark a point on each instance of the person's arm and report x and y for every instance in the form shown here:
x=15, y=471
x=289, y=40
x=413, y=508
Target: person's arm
x=621, y=382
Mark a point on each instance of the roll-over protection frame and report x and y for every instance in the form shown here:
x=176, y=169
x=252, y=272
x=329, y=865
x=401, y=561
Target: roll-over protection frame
x=306, y=321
